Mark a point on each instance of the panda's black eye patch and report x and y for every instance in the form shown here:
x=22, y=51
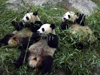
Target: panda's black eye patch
x=68, y=16
x=27, y=18
x=43, y=29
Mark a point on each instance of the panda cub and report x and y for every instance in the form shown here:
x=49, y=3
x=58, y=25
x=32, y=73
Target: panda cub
x=20, y=38
x=81, y=32
x=41, y=53
x=23, y=31
x=72, y=18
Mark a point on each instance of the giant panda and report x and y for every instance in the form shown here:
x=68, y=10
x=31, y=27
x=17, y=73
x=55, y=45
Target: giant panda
x=74, y=24
x=23, y=30
x=72, y=18
x=41, y=53
x=30, y=20
x=20, y=36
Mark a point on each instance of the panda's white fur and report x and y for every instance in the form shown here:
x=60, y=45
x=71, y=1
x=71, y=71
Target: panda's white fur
x=72, y=18
x=41, y=53
x=75, y=25
x=31, y=17
x=25, y=32
x=47, y=29
x=15, y=40
x=82, y=31
x=36, y=48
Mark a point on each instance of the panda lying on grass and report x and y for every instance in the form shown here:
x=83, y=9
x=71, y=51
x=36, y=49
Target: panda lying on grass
x=23, y=30
x=41, y=52
x=38, y=54
x=74, y=23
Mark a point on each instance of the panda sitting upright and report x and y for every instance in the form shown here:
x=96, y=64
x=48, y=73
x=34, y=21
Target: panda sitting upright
x=41, y=53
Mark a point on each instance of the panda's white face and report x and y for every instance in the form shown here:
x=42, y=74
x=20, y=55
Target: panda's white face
x=27, y=17
x=30, y=17
x=45, y=29
x=71, y=16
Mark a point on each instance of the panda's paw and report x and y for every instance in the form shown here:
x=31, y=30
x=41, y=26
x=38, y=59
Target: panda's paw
x=38, y=22
x=52, y=40
x=50, y=36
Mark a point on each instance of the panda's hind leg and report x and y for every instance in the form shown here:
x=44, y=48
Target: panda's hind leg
x=22, y=58
x=46, y=64
x=5, y=39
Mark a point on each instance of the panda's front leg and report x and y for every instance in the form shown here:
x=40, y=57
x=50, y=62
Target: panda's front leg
x=18, y=25
x=38, y=22
x=64, y=26
x=52, y=40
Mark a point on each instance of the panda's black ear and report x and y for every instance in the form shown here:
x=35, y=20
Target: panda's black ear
x=52, y=26
x=78, y=14
x=27, y=11
x=35, y=13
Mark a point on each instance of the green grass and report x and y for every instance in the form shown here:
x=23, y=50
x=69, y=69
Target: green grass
x=97, y=2
x=85, y=61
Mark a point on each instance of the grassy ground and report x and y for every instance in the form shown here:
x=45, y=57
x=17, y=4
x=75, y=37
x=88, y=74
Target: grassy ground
x=72, y=60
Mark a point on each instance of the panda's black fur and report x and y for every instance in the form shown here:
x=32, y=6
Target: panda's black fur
x=81, y=19
x=31, y=21
x=23, y=32
x=78, y=19
x=32, y=26
x=41, y=52
x=74, y=23
x=31, y=17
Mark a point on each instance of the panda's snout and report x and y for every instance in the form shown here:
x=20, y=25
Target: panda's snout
x=64, y=19
x=38, y=32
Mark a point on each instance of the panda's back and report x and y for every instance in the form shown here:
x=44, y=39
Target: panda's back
x=26, y=32
x=41, y=44
x=82, y=31
x=76, y=28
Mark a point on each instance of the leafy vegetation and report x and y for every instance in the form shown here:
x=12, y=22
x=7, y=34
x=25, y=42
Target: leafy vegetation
x=73, y=61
